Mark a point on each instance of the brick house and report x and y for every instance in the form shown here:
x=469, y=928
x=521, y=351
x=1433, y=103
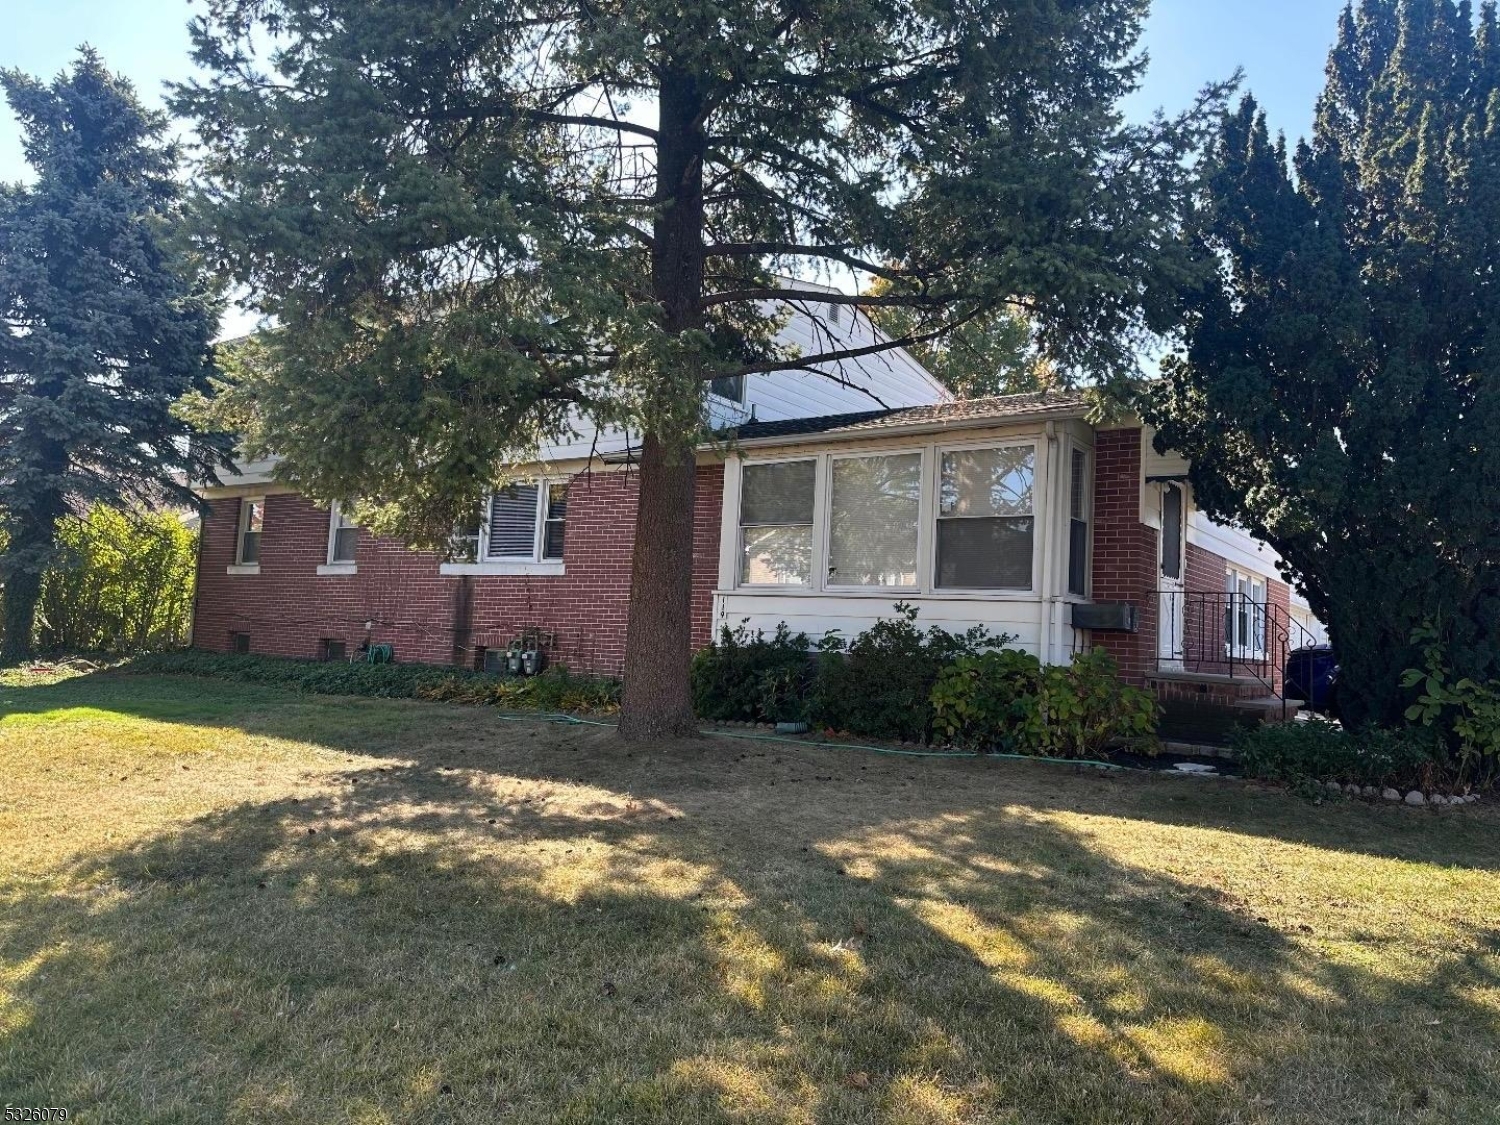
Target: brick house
x=818, y=511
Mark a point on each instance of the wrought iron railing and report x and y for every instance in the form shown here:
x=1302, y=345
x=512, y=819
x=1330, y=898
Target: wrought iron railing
x=1228, y=634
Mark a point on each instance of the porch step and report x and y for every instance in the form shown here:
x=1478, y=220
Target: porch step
x=1218, y=678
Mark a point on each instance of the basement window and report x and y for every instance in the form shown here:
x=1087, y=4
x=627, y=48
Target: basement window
x=332, y=651
x=239, y=644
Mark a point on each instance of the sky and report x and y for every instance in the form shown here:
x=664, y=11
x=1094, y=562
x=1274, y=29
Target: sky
x=1281, y=45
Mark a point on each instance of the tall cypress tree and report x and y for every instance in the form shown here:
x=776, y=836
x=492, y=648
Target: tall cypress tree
x=1339, y=394
x=102, y=333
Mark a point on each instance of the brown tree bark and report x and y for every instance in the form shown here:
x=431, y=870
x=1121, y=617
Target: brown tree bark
x=658, y=643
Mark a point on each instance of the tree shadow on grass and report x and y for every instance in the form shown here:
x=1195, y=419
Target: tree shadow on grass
x=428, y=735
x=499, y=941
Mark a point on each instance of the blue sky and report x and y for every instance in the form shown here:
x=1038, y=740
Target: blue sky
x=1280, y=44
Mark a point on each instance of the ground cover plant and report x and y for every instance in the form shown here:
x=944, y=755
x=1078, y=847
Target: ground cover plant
x=235, y=902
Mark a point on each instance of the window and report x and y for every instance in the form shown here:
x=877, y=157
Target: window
x=343, y=538
x=1078, y=524
x=521, y=523
x=1171, y=531
x=776, y=523
x=239, y=643
x=554, y=523
x=873, y=519
x=986, y=524
x=332, y=651
x=731, y=387
x=252, y=518
x=1244, y=615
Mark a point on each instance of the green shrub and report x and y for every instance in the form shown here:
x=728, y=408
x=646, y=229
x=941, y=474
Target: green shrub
x=122, y=583
x=745, y=678
x=556, y=689
x=880, y=686
x=1007, y=701
x=989, y=701
x=1466, y=713
x=1320, y=750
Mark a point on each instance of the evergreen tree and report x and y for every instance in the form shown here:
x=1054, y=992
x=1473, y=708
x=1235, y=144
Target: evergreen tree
x=989, y=355
x=480, y=220
x=102, y=332
x=1339, y=395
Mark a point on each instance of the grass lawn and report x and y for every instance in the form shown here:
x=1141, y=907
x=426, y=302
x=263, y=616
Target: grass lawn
x=223, y=903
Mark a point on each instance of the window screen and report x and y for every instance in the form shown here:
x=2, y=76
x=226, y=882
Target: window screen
x=513, y=522
x=776, y=518
x=1078, y=524
x=986, y=527
x=873, y=529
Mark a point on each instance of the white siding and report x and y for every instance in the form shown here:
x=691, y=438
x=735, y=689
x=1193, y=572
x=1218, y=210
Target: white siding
x=873, y=382
x=849, y=615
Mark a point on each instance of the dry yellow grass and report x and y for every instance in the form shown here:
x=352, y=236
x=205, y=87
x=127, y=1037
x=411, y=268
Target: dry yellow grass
x=236, y=904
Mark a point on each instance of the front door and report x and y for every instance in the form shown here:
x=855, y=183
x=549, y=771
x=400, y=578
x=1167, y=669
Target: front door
x=1170, y=647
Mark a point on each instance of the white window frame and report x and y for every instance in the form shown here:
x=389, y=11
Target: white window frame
x=821, y=574
x=331, y=566
x=1038, y=533
x=533, y=563
x=815, y=529
x=242, y=522
x=930, y=502
x=1257, y=599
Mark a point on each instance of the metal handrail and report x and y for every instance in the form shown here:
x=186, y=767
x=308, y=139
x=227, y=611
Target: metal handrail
x=1224, y=633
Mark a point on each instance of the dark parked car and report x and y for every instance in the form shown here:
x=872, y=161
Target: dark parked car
x=1311, y=674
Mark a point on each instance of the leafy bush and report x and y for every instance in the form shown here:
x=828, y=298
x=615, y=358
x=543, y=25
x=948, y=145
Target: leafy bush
x=880, y=686
x=1320, y=750
x=1467, y=713
x=1008, y=701
x=123, y=583
x=556, y=689
x=745, y=678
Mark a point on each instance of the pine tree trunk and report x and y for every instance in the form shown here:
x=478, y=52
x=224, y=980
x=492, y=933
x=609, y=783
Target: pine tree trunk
x=658, y=644
x=22, y=590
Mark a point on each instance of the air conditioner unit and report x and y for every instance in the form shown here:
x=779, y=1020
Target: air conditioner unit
x=1108, y=617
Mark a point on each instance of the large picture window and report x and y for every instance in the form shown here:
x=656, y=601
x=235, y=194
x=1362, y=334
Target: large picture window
x=776, y=523
x=873, y=521
x=986, y=523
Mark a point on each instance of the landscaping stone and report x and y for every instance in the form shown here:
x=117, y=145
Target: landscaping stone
x=1391, y=794
x=1369, y=791
x=1415, y=798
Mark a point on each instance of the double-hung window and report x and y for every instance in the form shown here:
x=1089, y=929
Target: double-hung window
x=1244, y=615
x=776, y=523
x=874, y=515
x=252, y=519
x=526, y=522
x=986, y=526
x=343, y=537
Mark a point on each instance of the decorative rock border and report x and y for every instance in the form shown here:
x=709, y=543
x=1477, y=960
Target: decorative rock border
x=1415, y=798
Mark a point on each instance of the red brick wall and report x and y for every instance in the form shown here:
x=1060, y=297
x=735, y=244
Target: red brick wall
x=288, y=609
x=1125, y=550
